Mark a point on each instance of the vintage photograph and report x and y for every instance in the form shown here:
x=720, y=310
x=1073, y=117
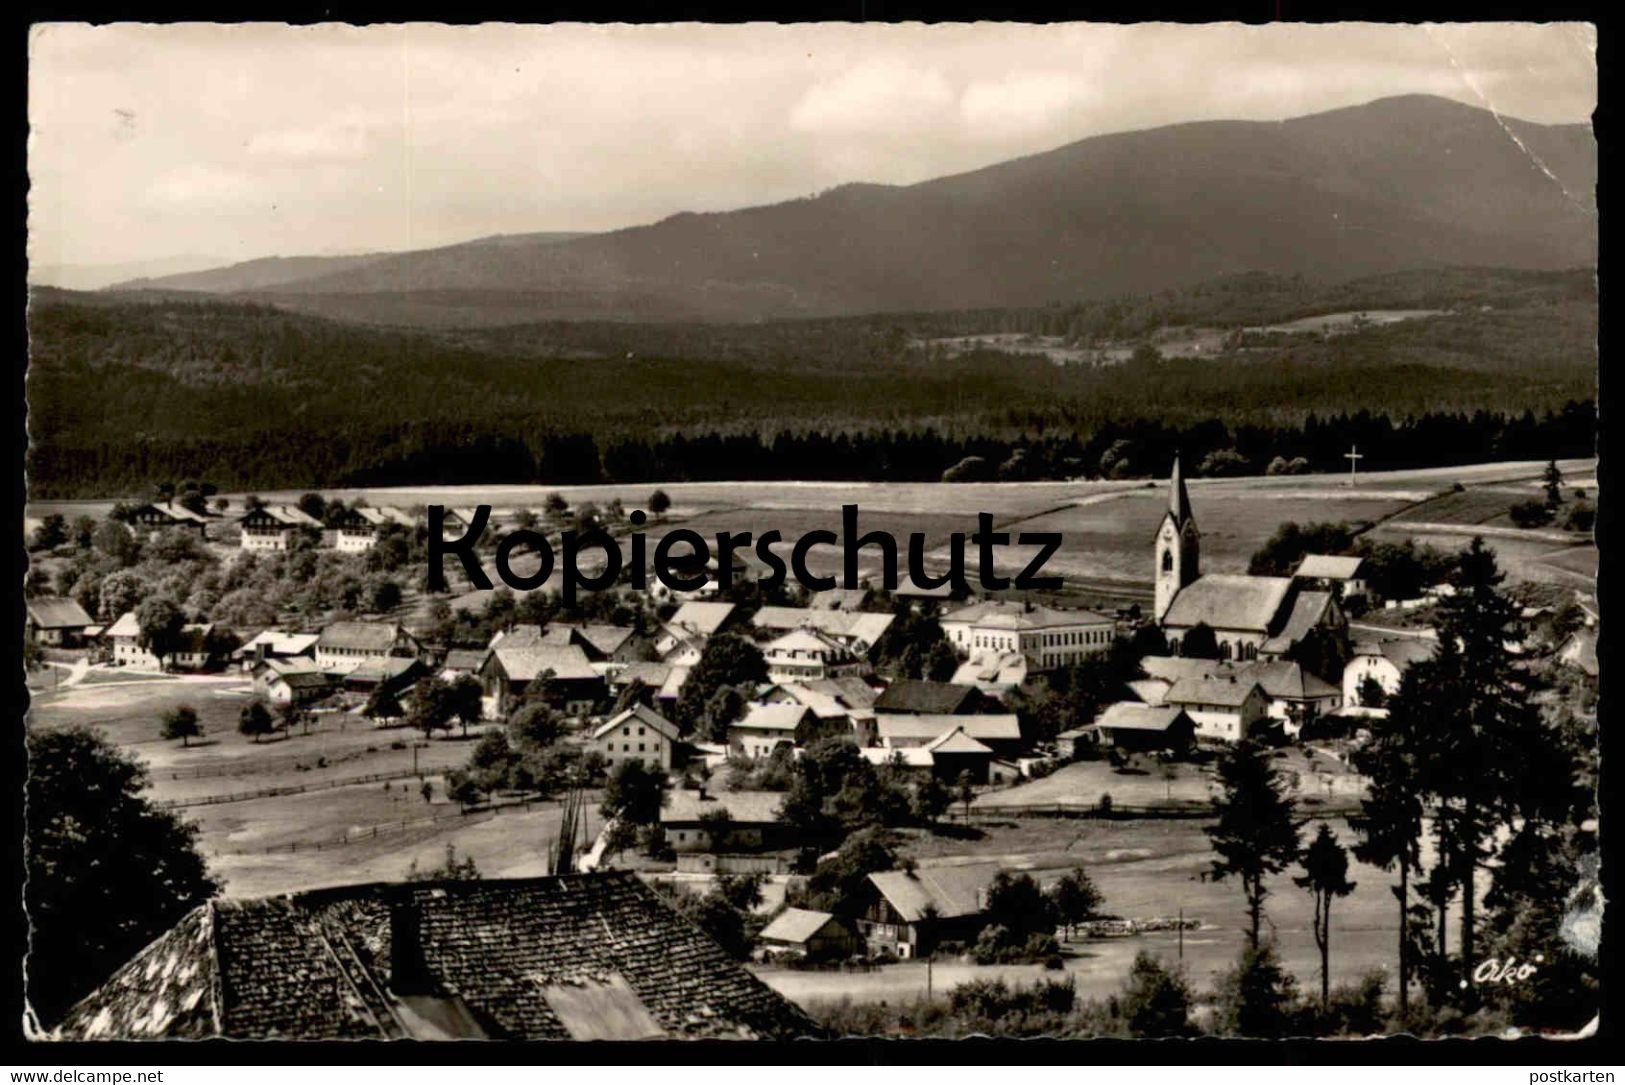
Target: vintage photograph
x=769, y=532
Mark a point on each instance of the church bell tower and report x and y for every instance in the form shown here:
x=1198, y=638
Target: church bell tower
x=1177, y=561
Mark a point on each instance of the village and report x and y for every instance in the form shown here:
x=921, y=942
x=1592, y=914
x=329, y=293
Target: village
x=863, y=795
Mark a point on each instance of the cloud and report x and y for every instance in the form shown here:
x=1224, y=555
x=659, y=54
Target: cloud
x=873, y=97
x=1023, y=101
x=340, y=142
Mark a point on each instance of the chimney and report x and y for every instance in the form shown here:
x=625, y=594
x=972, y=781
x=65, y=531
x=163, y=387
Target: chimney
x=408, y=971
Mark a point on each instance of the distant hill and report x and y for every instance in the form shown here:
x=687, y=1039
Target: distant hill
x=1400, y=183
x=97, y=276
x=274, y=272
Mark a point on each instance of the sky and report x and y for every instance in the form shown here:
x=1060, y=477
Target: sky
x=229, y=143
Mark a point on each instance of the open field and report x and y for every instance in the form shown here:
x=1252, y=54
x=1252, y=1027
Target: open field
x=1146, y=869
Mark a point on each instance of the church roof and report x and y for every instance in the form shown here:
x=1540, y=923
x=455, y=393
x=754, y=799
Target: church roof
x=1308, y=610
x=1179, y=501
x=1229, y=601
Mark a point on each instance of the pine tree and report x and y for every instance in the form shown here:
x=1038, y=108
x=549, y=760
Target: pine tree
x=1255, y=836
x=1325, y=875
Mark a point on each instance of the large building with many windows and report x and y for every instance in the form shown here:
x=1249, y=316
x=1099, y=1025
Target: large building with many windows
x=1048, y=637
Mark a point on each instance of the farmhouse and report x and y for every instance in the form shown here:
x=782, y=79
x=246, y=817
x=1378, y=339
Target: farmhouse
x=908, y=913
x=159, y=517
x=196, y=649
x=955, y=755
x=1250, y=616
x=814, y=936
x=1000, y=732
x=1345, y=576
x=456, y=522
x=723, y=821
x=908, y=696
x=345, y=645
x=275, y=644
x=1048, y=637
x=855, y=630
x=395, y=674
x=1385, y=662
x=274, y=527
x=291, y=681
x=1129, y=725
x=576, y=957
x=994, y=673
x=809, y=654
x=510, y=672
x=356, y=529
x=765, y=727
x=1223, y=709
x=57, y=622
x=837, y=702
x=637, y=734
x=1292, y=695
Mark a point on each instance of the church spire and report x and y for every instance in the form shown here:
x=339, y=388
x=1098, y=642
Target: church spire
x=1179, y=502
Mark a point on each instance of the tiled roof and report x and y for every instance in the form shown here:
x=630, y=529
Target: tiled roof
x=839, y=599
x=914, y=757
x=774, y=717
x=650, y=674
x=956, y=741
x=949, y=891
x=1329, y=567
x=467, y=660
x=511, y=959
x=850, y=625
x=359, y=636
x=993, y=668
x=1400, y=651
x=999, y=614
x=702, y=618
x=1278, y=678
x=286, y=515
x=1308, y=610
x=278, y=643
x=913, y=695
x=1228, y=601
x=639, y=714
x=1150, y=690
x=1130, y=716
x=173, y=512
x=54, y=612
x=795, y=925
x=812, y=643
x=525, y=663
x=684, y=805
x=1229, y=692
x=1003, y=727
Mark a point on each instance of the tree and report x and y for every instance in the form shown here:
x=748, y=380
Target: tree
x=966, y=786
x=659, y=503
x=728, y=660
x=1255, y=998
x=1371, y=693
x=620, y=836
x=1530, y=514
x=743, y=891
x=107, y=872
x=1015, y=903
x=451, y=870
x=1156, y=1002
x=382, y=704
x=51, y=533
x=466, y=700
x=931, y=800
x=294, y=715
x=120, y=593
x=1389, y=824
x=1325, y=875
x=969, y=469
x=941, y=662
x=255, y=720
x=117, y=541
x=725, y=706
x=1255, y=836
x=182, y=722
x=1199, y=642
x=1553, y=480
x=313, y=505
x=535, y=726
x=432, y=706
x=159, y=623
x=1074, y=898
x=635, y=793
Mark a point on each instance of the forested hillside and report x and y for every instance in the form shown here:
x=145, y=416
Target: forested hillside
x=124, y=392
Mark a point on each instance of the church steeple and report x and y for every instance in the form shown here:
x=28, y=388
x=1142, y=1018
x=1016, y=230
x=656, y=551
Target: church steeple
x=1177, y=550
x=1179, y=501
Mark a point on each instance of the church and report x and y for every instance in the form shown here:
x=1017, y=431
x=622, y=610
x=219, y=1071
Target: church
x=1252, y=617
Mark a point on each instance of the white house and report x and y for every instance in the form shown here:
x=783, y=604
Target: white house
x=1385, y=661
x=1048, y=637
x=273, y=527
x=344, y=646
x=356, y=529
x=637, y=734
x=1344, y=574
x=808, y=654
x=1223, y=709
x=125, y=637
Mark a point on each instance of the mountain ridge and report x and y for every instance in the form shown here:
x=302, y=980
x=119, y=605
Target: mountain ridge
x=1403, y=182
